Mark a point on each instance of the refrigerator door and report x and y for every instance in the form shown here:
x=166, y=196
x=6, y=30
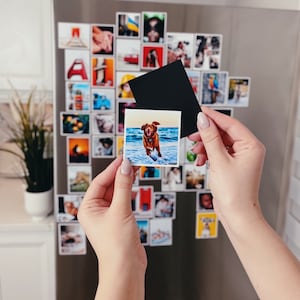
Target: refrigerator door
x=258, y=43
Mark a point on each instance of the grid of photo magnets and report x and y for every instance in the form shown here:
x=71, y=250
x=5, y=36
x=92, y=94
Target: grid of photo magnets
x=96, y=97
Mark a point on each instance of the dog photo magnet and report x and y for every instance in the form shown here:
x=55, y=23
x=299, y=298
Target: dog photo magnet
x=152, y=137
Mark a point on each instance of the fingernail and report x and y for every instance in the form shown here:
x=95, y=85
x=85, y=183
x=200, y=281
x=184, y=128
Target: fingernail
x=126, y=167
x=198, y=161
x=203, y=121
x=192, y=149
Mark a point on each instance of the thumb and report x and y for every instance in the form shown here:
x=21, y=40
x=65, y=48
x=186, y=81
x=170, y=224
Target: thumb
x=121, y=200
x=211, y=138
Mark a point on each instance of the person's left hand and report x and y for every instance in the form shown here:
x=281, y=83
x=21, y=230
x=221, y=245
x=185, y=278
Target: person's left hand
x=106, y=216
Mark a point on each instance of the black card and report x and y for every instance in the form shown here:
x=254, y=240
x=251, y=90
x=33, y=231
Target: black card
x=168, y=88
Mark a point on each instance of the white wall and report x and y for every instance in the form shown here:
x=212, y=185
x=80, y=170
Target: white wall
x=273, y=4
x=26, y=44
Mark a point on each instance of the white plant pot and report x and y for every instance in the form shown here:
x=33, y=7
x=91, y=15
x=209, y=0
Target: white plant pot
x=38, y=205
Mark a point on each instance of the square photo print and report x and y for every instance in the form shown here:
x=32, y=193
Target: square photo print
x=73, y=35
x=123, y=87
x=164, y=205
x=102, y=39
x=152, y=137
x=150, y=173
x=77, y=96
x=238, y=91
x=121, y=107
x=190, y=156
x=142, y=201
x=214, y=88
x=103, y=146
x=194, y=78
x=152, y=57
x=143, y=226
x=78, y=150
x=103, y=71
x=103, y=123
x=128, y=24
x=180, y=46
x=206, y=225
x=67, y=207
x=77, y=65
x=79, y=179
x=208, y=51
x=195, y=177
x=154, y=26
x=204, y=201
x=128, y=54
x=104, y=100
x=172, y=179
x=72, y=239
x=74, y=123
x=161, y=232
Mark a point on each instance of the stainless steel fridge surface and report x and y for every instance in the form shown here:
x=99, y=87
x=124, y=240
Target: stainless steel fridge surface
x=259, y=43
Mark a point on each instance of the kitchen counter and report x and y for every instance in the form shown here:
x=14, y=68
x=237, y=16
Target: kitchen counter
x=12, y=211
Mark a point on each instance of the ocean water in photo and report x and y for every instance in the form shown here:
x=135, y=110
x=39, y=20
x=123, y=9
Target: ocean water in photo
x=168, y=139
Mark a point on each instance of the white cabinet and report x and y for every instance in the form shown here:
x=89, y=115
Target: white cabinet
x=27, y=249
x=27, y=263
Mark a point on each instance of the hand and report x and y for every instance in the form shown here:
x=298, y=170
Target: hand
x=101, y=40
x=235, y=158
x=106, y=216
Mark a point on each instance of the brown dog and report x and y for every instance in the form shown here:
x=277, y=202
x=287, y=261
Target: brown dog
x=151, y=138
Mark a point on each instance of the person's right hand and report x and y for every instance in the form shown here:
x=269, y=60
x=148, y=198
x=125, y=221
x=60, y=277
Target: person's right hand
x=235, y=157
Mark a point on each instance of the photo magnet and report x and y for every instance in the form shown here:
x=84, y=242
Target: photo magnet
x=168, y=88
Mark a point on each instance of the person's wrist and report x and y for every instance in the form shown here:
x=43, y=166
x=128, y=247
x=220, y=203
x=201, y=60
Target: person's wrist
x=242, y=217
x=118, y=262
x=126, y=277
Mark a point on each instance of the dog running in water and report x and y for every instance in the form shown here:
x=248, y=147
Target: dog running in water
x=151, y=138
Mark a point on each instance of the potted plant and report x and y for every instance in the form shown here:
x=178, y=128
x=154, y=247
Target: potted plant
x=26, y=129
